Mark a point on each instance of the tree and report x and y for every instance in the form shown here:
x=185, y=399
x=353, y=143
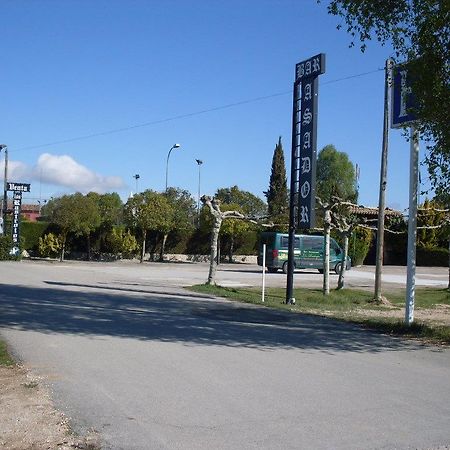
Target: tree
x=89, y=219
x=183, y=214
x=122, y=242
x=75, y=214
x=335, y=184
x=247, y=202
x=232, y=229
x=218, y=217
x=419, y=32
x=233, y=199
x=110, y=208
x=277, y=194
x=335, y=176
x=148, y=211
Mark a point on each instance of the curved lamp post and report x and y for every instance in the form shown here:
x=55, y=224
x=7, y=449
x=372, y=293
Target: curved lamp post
x=167, y=163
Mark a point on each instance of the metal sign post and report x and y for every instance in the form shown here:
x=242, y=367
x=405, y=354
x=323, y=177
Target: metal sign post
x=412, y=226
x=303, y=155
x=402, y=116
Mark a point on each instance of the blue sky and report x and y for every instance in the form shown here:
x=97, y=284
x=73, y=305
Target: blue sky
x=168, y=72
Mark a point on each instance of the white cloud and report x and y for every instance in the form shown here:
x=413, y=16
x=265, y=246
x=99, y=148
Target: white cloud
x=62, y=170
x=17, y=171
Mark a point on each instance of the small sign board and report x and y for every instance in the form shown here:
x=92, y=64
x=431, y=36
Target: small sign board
x=402, y=98
x=18, y=187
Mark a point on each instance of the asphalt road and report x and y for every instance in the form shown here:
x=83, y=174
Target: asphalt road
x=149, y=365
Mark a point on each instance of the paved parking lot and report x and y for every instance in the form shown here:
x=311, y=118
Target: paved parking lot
x=128, y=352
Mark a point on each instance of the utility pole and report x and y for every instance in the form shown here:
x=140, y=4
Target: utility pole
x=383, y=181
x=5, y=189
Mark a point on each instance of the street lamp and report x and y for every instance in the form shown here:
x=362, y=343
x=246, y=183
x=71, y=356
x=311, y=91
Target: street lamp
x=199, y=163
x=5, y=192
x=136, y=177
x=167, y=163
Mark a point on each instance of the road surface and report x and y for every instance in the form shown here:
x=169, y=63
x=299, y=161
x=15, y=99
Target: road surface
x=149, y=365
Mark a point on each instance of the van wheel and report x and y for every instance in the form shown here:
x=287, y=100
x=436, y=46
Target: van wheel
x=272, y=269
x=337, y=268
x=285, y=267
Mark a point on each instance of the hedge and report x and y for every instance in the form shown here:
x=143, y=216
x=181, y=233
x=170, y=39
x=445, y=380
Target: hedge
x=432, y=257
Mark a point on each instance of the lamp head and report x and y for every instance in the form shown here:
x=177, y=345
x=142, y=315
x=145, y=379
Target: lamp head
x=176, y=145
x=199, y=161
x=2, y=146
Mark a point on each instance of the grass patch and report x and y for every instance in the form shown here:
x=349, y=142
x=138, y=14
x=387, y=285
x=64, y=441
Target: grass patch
x=433, y=333
x=350, y=305
x=5, y=359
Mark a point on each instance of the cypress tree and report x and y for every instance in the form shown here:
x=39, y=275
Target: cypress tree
x=277, y=194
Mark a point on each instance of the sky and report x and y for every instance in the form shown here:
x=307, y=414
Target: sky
x=94, y=92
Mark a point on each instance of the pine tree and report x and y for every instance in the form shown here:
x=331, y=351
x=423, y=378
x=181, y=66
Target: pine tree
x=277, y=194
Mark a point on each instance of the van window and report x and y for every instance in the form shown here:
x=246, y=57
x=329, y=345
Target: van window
x=313, y=243
x=284, y=242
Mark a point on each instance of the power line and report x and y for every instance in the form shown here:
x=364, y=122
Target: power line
x=184, y=116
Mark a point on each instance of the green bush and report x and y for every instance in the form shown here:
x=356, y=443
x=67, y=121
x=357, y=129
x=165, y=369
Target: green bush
x=122, y=242
x=49, y=246
x=432, y=257
x=31, y=232
x=5, y=248
x=359, y=245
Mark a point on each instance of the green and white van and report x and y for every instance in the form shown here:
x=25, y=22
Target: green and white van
x=308, y=252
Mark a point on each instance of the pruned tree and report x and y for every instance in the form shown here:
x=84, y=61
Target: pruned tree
x=345, y=224
x=218, y=217
x=335, y=185
x=326, y=209
x=246, y=203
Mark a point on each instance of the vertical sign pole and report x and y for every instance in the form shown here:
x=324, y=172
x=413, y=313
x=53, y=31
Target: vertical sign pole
x=303, y=156
x=293, y=201
x=264, y=273
x=383, y=181
x=5, y=192
x=403, y=114
x=412, y=225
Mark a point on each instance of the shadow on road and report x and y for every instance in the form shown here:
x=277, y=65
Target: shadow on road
x=180, y=318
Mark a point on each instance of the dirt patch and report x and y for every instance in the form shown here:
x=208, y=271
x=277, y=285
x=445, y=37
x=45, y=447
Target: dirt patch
x=439, y=315
x=28, y=418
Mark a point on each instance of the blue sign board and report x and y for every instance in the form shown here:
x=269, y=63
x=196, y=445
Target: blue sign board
x=402, y=98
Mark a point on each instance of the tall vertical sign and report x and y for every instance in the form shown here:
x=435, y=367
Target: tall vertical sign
x=17, y=189
x=304, y=155
x=304, y=151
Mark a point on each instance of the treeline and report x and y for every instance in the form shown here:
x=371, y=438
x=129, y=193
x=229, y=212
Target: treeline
x=101, y=226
